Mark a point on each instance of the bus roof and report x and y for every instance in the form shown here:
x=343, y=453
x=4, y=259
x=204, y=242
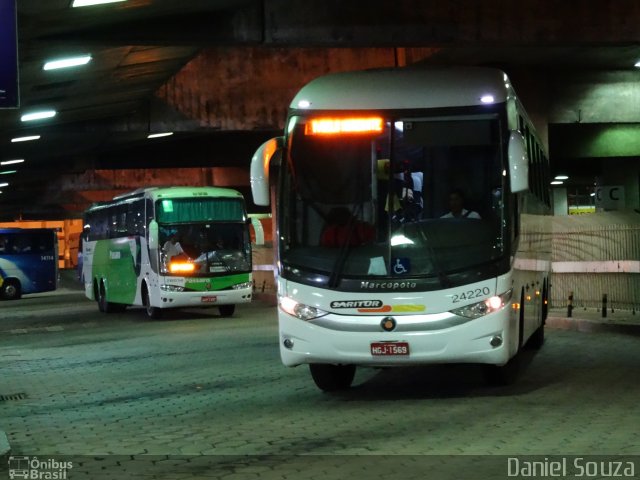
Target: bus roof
x=177, y=192
x=156, y=193
x=180, y=191
x=400, y=88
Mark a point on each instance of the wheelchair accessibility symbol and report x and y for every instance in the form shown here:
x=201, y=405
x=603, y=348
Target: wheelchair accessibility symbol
x=401, y=266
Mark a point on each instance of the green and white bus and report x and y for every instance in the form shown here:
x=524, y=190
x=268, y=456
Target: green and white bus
x=125, y=255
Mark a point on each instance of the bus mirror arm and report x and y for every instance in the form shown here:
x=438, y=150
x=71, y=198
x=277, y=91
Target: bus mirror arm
x=518, y=163
x=260, y=169
x=153, y=235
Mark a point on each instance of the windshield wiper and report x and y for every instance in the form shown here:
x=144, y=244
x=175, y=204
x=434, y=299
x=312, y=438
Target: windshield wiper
x=344, y=248
x=442, y=276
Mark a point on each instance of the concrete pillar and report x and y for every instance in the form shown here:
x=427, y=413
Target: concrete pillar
x=560, y=203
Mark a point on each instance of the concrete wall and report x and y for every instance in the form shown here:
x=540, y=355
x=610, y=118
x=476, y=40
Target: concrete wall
x=596, y=254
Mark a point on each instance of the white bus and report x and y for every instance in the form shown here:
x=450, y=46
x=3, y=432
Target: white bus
x=129, y=259
x=373, y=267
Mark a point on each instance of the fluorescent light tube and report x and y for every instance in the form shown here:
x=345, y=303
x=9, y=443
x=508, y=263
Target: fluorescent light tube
x=25, y=139
x=158, y=135
x=11, y=162
x=28, y=117
x=67, y=62
x=88, y=3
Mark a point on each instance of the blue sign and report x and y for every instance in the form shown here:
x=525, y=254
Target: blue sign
x=9, y=97
x=401, y=265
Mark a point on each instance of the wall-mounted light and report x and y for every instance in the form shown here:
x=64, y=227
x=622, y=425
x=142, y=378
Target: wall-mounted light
x=11, y=162
x=557, y=182
x=158, y=135
x=67, y=62
x=25, y=139
x=88, y=3
x=561, y=177
x=42, y=114
x=5, y=184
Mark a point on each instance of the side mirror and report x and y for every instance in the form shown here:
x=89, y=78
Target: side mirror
x=518, y=163
x=260, y=170
x=153, y=235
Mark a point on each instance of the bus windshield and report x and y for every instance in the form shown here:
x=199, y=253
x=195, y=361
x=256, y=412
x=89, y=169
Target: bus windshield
x=398, y=197
x=212, y=233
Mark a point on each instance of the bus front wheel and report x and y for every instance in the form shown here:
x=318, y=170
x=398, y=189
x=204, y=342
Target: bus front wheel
x=10, y=290
x=502, y=375
x=152, y=312
x=331, y=378
x=226, y=310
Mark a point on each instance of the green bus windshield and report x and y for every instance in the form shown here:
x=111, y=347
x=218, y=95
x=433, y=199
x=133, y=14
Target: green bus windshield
x=182, y=210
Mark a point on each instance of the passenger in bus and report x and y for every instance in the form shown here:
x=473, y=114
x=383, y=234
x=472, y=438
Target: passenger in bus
x=408, y=186
x=456, y=206
x=342, y=227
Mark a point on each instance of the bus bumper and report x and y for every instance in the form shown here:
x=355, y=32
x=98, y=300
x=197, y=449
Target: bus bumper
x=202, y=299
x=485, y=340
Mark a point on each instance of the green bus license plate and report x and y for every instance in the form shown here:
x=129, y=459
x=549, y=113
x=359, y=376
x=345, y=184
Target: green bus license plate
x=389, y=348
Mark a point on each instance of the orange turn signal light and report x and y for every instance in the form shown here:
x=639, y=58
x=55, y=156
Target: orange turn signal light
x=333, y=126
x=182, y=267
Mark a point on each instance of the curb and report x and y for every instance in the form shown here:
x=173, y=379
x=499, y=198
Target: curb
x=5, y=448
x=589, y=326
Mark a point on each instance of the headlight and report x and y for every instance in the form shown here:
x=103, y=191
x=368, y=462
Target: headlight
x=171, y=288
x=242, y=286
x=484, y=307
x=299, y=310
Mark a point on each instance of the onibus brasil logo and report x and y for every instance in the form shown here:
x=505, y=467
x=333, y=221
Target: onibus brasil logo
x=33, y=468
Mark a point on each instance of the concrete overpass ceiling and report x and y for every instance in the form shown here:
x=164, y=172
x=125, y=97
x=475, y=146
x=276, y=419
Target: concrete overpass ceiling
x=220, y=73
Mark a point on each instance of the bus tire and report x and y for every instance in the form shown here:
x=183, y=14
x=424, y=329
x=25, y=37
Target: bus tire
x=10, y=290
x=152, y=312
x=501, y=375
x=226, y=310
x=332, y=378
x=103, y=305
x=537, y=338
x=545, y=301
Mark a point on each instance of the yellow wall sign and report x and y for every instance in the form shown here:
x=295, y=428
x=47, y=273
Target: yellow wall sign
x=581, y=209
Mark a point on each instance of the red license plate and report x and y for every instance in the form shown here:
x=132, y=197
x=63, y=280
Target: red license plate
x=209, y=299
x=389, y=349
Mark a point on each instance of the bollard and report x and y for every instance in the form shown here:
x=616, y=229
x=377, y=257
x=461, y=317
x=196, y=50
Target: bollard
x=604, y=305
x=570, y=305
